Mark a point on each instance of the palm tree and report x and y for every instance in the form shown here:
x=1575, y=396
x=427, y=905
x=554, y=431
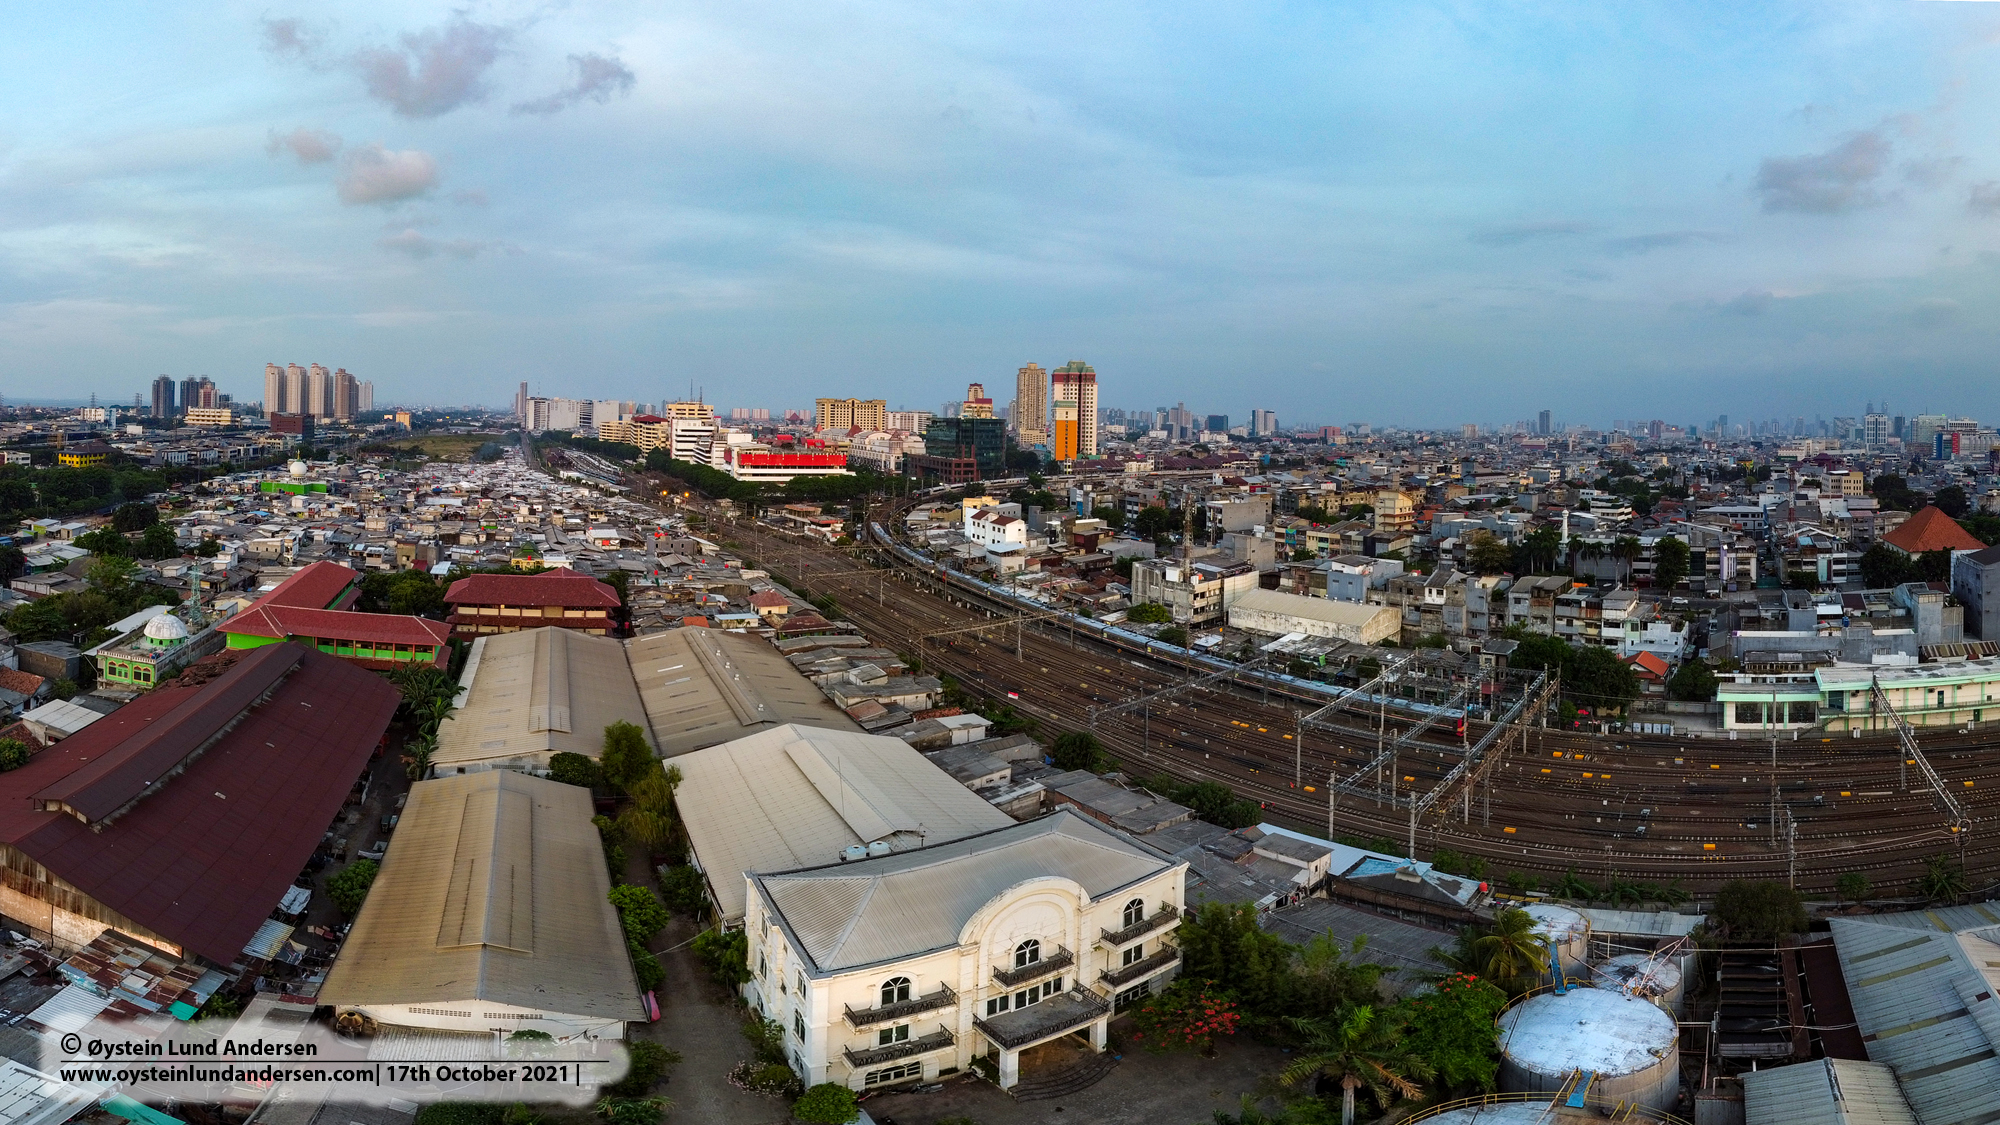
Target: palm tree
x=417, y=756
x=1627, y=548
x=1357, y=1048
x=1590, y=551
x=1942, y=880
x=1512, y=954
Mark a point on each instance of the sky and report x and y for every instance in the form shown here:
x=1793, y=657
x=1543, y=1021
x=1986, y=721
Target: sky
x=1406, y=213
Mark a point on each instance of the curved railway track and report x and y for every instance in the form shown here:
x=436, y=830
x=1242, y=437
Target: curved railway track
x=1563, y=801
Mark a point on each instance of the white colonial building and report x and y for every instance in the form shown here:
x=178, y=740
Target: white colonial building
x=901, y=967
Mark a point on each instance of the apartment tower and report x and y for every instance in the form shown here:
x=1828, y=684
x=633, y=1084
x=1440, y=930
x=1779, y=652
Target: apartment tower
x=1073, y=394
x=850, y=413
x=1030, y=415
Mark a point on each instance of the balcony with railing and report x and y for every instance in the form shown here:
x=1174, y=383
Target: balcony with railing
x=1035, y=970
x=944, y=997
x=1156, y=920
x=860, y=1058
x=1143, y=967
x=1057, y=1015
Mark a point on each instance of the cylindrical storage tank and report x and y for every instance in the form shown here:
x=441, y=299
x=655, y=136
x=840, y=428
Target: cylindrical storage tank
x=1503, y=1113
x=1569, y=936
x=1630, y=1047
x=1648, y=976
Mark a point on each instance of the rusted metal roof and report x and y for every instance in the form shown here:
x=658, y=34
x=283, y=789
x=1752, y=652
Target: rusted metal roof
x=561, y=586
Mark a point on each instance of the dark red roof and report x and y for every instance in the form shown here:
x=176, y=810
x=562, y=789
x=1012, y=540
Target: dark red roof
x=561, y=586
x=323, y=585
x=376, y=628
x=202, y=859
x=1931, y=530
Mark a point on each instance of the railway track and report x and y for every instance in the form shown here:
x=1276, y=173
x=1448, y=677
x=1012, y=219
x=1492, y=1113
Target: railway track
x=1563, y=801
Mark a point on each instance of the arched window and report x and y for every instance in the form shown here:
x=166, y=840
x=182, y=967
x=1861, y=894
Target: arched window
x=895, y=991
x=1027, y=953
x=1135, y=911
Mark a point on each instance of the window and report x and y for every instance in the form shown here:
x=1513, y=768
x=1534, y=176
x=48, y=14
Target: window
x=1132, y=995
x=1750, y=712
x=894, y=1074
x=895, y=991
x=998, y=1004
x=1027, y=953
x=1136, y=953
x=1135, y=912
x=1036, y=993
x=763, y=966
x=897, y=1034
x=799, y=1024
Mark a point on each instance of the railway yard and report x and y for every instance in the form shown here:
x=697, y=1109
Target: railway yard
x=1545, y=802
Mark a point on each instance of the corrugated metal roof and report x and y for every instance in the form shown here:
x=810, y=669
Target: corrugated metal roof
x=493, y=889
x=796, y=796
x=560, y=586
x=1915, y=992
x=1825, y=1092
x=702, y=687
x=270, y=937
x=29, y=1097
x=72, y=1009
x=540, y=692
x=907, y=903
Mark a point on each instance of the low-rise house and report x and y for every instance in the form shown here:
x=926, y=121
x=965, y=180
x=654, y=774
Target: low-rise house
x=483, y=604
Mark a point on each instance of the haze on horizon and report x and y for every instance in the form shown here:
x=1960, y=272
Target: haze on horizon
x=1422, y=214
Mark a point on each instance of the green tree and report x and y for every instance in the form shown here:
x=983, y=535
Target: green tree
x=1077, y=750
x=1538, y=550
x=1596, y=677
x=1952, y=501
x=104, y=541
x=1486, y=554
x=1452, y=1028
x=1360, y=1048
x=1943, y=880
x=627, y=756
x=828, y=1103
x=639, y=912
x=684, y=889
x=1883, y=566
x=726, y=955
x=1670, y=562
x=1153, y=521
x=646, y=1063
x=111, y=575
x=1224, y=943
x=1186, y=1017
x=13, y=754
x=1758, y=910
x=1694, y=682
x=1174, y=635
x=632, y=1111
x=349, y=888
x=1511, y=953
x=575, y=769
x=1149, y=613
x=135, y=517
x=1328, y=976
x=13, y=562
x=1852, y=886
x=158, y=542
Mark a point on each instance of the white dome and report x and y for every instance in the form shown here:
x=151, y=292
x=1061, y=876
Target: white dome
x=166, y=627
x=298, y=468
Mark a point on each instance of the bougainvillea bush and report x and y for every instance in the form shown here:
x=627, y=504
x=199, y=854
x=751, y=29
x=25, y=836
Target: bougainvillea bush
x=1186, y=1017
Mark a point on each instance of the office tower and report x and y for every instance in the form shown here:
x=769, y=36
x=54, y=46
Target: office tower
x=1542, y=424
x=1073, y=397
x=365, y=393
x=163, y=397
x=274, y=389
x=190, y=393
x=914, y=421
x=1264, y=423
x=850, y=413
x=1030, y=416
x=521, y=404
x=1216, y=424
x=976, y=404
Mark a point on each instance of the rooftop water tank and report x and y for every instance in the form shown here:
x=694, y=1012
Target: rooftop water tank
x=1649, y=976
x=879, y=847
x=1568, y=933
x=854, y=852
x=1630, y=1047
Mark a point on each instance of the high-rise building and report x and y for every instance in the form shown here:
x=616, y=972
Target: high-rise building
x=976, y=404
x=699, y=411
x=295, y=389
x=1217, y=424
x=914, y=421
x=850, y=413
x=204, y=395
x=1264, y=423
x=521, y=404
x=163, y=397
x=319, y=392
x=274, y=390
x=1073, y=399
x=1875, y=430
x=190, y=393
x=366, y=396
x=1030, y=416
x=346, y=394
x=1542, y=423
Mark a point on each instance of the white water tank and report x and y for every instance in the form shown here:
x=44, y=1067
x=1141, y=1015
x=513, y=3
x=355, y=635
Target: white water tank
x=1649, y=976
x=1630, y=1047
x=878, y=848
x=1569, y=936
x=854, y=852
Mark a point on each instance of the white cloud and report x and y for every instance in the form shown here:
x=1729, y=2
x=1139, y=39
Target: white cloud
x=378, y=175
x=418, y=246
x=311, y=146
x=598, y=77
x=434, y=71
x=1825, y=183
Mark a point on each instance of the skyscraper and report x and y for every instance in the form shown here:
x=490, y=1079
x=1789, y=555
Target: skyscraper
x=1073, y=395
x=295, y=389
x=204, y=395
x=366, y=396
x=274, y=389
x=850, y=413
x=521, y=404
x=319, y=392
x=190, y=393
x=346, y=394
x=163, y=397
x=1264, y=423
x=1542, y=424
x=976, y=404
x=1030, y=415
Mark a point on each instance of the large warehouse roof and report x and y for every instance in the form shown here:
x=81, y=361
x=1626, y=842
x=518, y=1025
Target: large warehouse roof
x=1351, y=615
x=796, y=796
x=493, y=889
x=536, y=693
x=851, y=915
x=189, y=811
x=702, y=687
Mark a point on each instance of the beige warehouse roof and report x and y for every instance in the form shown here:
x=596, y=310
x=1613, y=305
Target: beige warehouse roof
x=493, y=889
x=536, y=693
x=875, y=910
x=702, y=687
x=796, y=796
x=1349, y=614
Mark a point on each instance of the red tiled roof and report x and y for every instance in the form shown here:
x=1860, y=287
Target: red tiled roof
x=377, y=628
x=317, y=586
x=1931, y=530
x=1649, y=664
x=769, y=599
x=202, y=859
x=561, y=586
x=27, y=683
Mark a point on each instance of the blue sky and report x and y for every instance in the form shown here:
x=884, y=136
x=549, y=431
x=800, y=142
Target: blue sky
x=1415, y=213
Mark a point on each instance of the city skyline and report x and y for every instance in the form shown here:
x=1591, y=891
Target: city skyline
x=1379, y=214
